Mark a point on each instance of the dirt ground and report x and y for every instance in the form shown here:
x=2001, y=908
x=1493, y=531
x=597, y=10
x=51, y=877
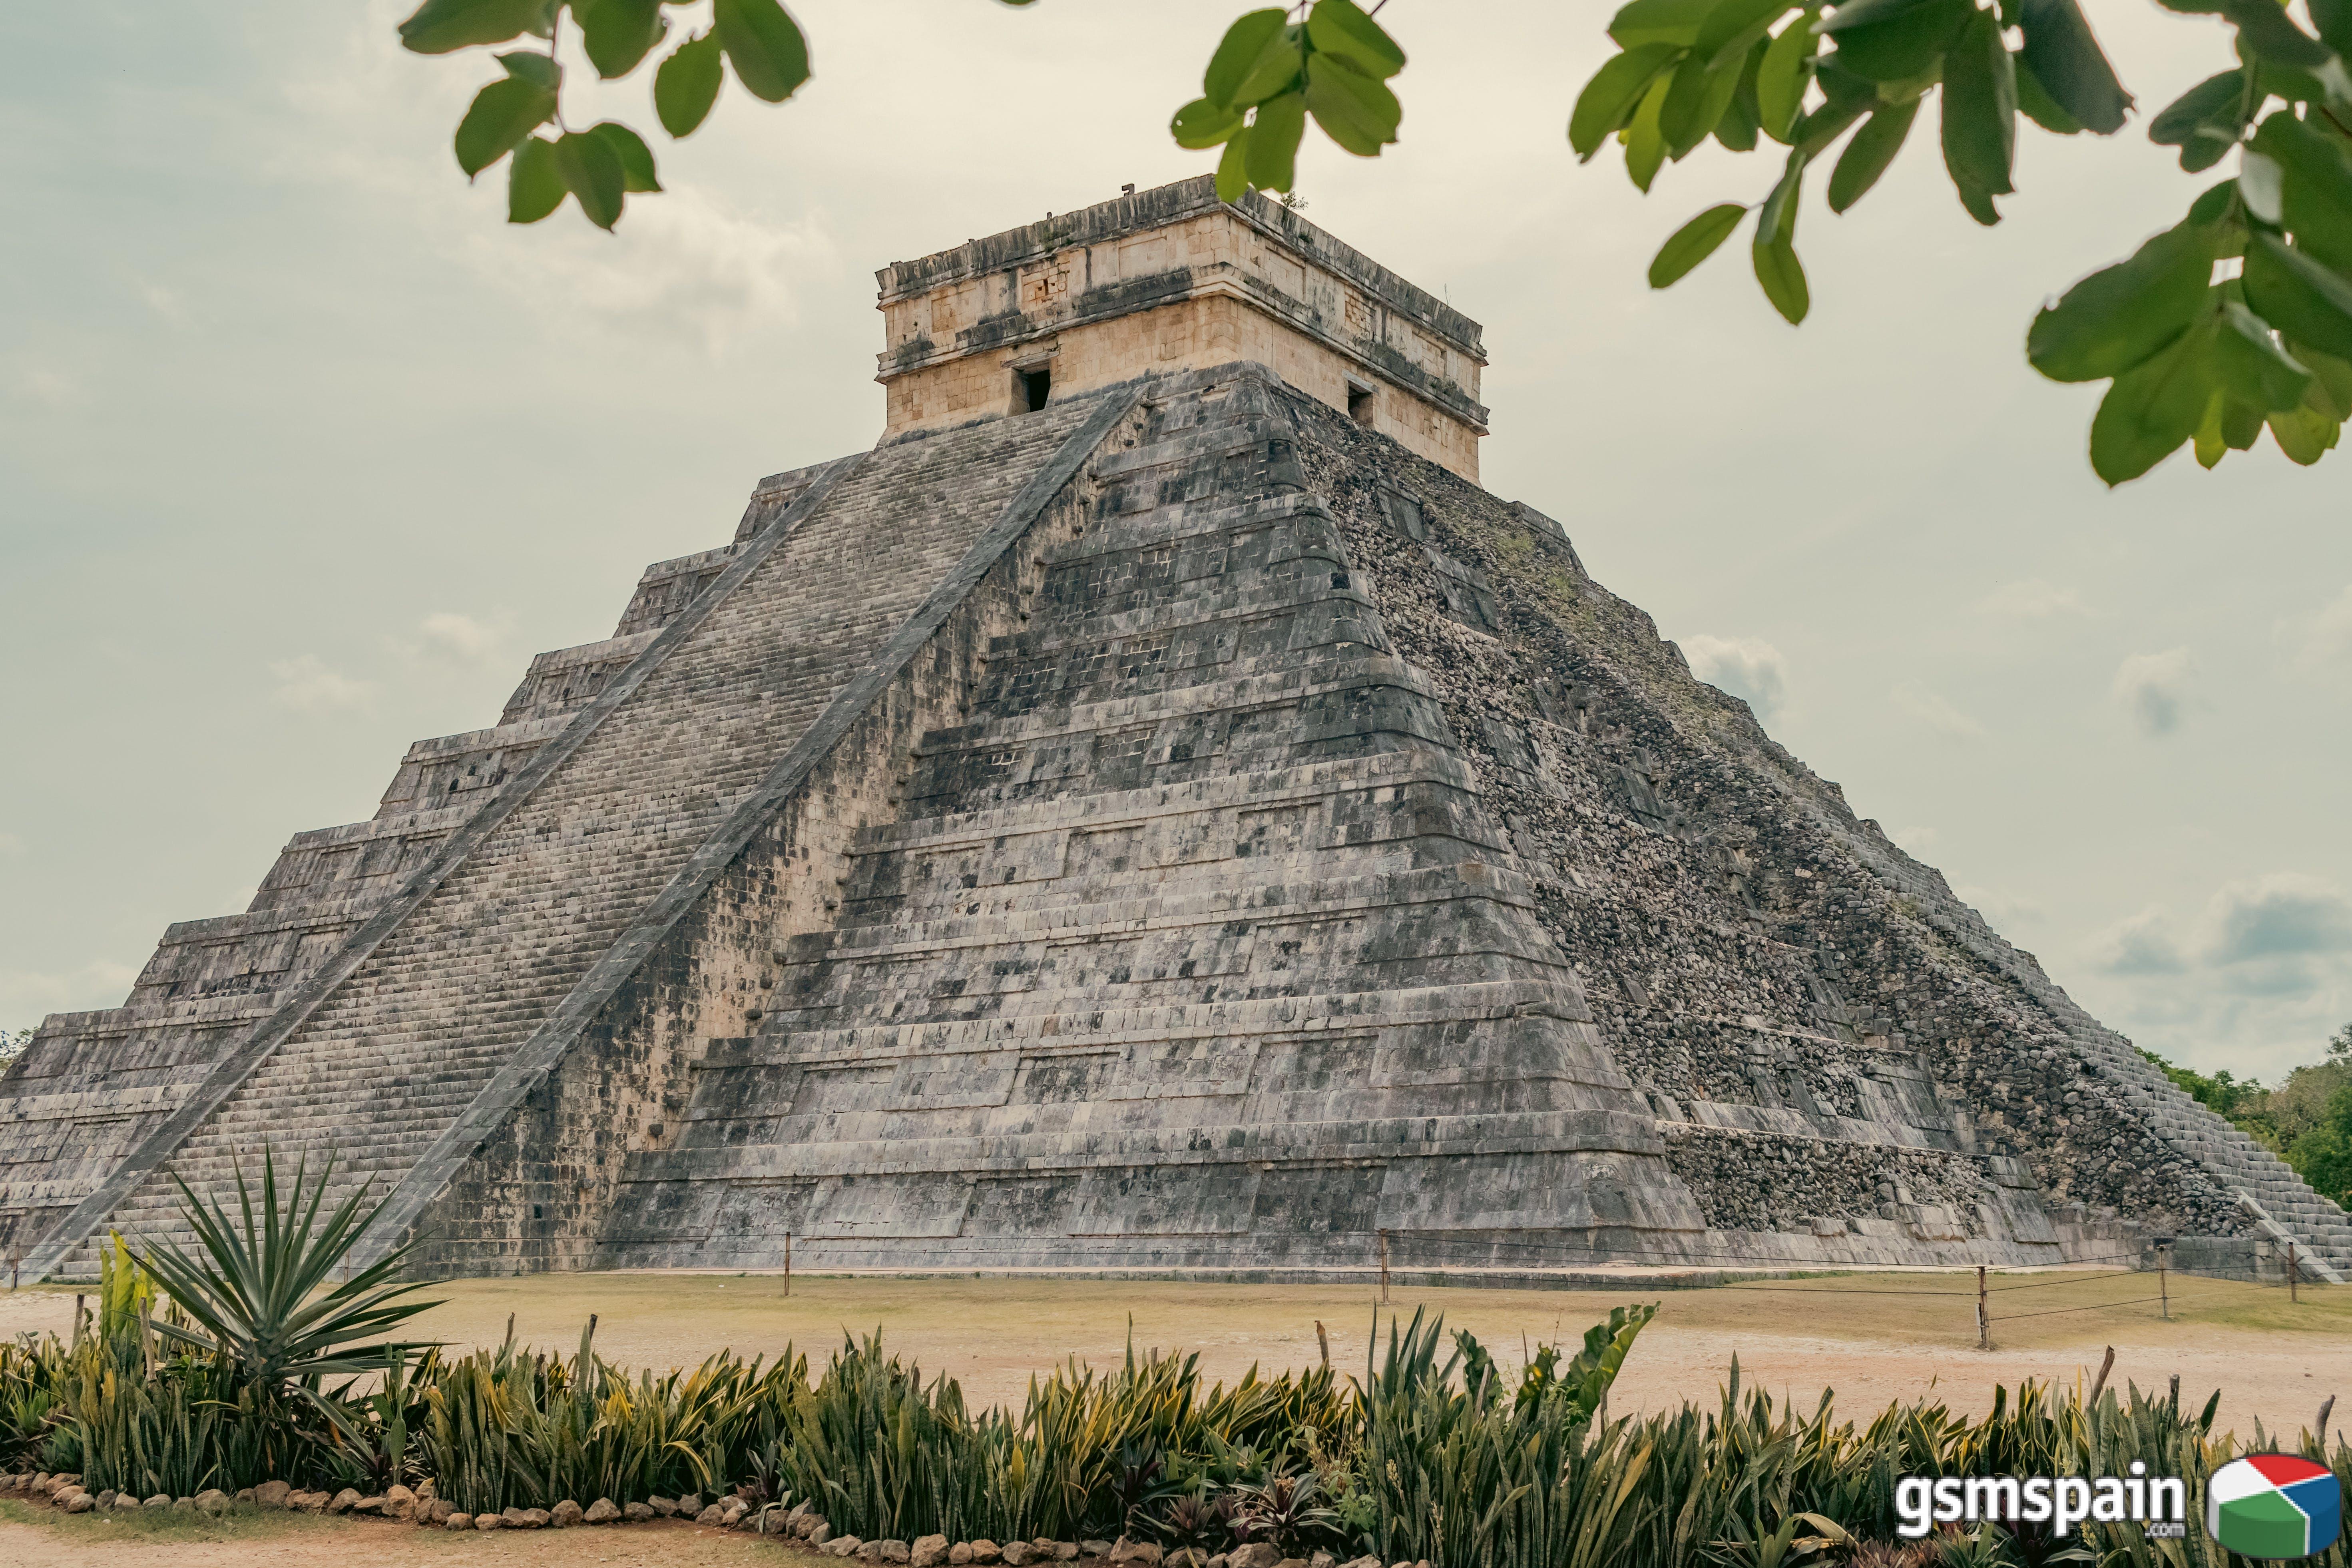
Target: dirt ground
x=1871, y=1337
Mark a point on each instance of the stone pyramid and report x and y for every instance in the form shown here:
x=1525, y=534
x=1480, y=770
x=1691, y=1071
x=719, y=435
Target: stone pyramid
x=1153, y=811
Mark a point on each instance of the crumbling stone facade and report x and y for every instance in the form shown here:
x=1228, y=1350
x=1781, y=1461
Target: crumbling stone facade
x=1186, y=825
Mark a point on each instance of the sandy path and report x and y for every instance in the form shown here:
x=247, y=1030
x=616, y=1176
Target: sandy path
x=56, y=1543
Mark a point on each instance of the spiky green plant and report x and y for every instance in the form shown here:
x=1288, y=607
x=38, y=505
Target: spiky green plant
x=258, y=1292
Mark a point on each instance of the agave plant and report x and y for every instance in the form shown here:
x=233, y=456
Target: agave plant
x=257, y=1292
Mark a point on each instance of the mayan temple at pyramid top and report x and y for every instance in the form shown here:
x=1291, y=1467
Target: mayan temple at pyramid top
x=1152, y=811
x=1171, y=279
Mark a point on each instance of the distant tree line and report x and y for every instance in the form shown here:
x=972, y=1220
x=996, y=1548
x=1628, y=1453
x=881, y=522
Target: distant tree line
x=2307, y=1121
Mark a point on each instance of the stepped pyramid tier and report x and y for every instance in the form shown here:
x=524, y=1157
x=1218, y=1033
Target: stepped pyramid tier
x=1153, y=811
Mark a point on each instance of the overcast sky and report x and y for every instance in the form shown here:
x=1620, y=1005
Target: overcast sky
x=303, y=451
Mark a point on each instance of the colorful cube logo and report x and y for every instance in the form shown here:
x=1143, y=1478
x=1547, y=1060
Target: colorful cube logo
x=2274, y=1506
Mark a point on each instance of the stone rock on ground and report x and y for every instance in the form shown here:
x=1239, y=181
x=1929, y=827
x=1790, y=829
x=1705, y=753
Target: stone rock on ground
x=602, y=1512
x=1096, y=1548
x=714, y=1514
x=635, y=1513
x=564, y=1515
x=690, y=1504
x=1257, y=1554
x=455, y=1521
x=399, y=1502
x=1019, y=1553
x=985, y=1551
x=665, y=1507
x=80, y=1502
x=490, y=1521
x=959, y=1555
x=341, y=1501
x=1143, y=1551
x=272, y=1494
x=929, y=1552
x=212, y=1500
x=161, y=1499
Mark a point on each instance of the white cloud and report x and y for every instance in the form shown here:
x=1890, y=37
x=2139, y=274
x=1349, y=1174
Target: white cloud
x=1747, y=668
x=2326, y=639
x=2032, y=599
x=2153, y=689
x=461, y=639
x=2257, y=984
x=52, y=389
x=308, y=684
x=681, y=262
x=2284, y=914
x=2143, y=944
x=1934, y=711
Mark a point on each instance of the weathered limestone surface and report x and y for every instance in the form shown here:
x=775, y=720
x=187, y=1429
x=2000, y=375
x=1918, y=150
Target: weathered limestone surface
x=1171, y=279
x=1189, y=825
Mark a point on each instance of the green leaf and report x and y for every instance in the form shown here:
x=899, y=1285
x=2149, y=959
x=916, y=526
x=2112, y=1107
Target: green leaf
x=1776, y=219
x=2152, y=409
x=1783, y=279
x=502, y=114
x=1645, y=144
x=1694, y=243
x=1773, y=249
x=2334, y=20
x=2303, y=432
x=1980, y=120
x=1272, y=157
x=1202, y=123
x=1233, y=169
x=1674, y=22
x=2203, y=121
x=619, y=34
x=1615, y=91
x=1868, y=155
x=591, y=172
x=438, y=27
x=1276, y=70
x=2264, y=27
x=2331, y=381
x=1695, y=100
x=2242, y=423
x=1357, y=113
x=770, y=57
x=2067, y=63
x=534, y=185
x=2315, y=187
x=686, y=85
x=1339, y=29
x=2033, y=102
x=2124, y=315
x=1734, y=26
x=2252, y=364
x=1894, y=40
x=2298, y=296
x=1781, y=81
x=1237, y=53
x=636, y=158
x=1739, y=127
x=532, y=66
x=2207, y=443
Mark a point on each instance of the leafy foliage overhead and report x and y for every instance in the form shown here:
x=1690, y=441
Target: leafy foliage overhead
x=2236, y=321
